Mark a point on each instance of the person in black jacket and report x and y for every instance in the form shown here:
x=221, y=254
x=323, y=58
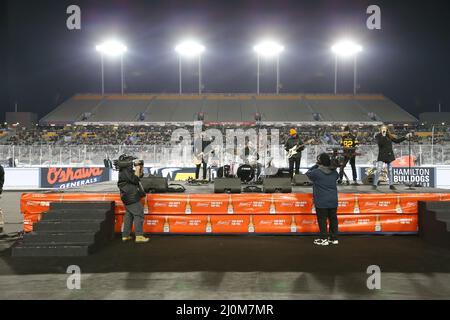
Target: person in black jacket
x=200, y=155
x=325, y=196
x=386, y=154
x=294, y=161
x=2, y=181
x=131, y=193
x=2, y=178
x=349, y=144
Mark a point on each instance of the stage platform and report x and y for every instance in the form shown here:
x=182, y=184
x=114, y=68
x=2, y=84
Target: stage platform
x=200, y=211
x=111, y=187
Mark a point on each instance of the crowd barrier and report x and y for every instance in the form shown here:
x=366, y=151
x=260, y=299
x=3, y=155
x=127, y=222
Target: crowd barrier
x=68, y=178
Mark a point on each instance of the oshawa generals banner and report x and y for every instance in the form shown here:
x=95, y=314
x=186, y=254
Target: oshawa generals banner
x=65, y=178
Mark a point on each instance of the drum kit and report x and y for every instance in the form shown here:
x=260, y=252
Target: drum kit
x=248, y=170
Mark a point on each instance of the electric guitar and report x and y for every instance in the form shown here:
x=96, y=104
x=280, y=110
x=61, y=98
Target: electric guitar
x=198, y=159
x=294, y=150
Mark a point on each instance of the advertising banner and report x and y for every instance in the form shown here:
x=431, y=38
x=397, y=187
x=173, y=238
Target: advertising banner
x=248, y=213
x=420, y=176
x=66, y=178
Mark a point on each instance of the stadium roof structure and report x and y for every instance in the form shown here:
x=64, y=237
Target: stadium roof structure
x=225, y=108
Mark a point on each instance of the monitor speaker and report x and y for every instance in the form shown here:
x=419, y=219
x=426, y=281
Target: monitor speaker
x=302, y=180
x=155, y=184
x=227, y=185
x=283, y=173
x=272, y=185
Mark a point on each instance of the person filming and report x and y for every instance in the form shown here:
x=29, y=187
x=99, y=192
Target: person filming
x=131, y=193
x=325, y=196
x=386, y=154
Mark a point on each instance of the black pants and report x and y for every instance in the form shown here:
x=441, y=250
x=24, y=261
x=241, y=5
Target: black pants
x=330, y=214
x=294, y=162
x=352, y=161
x=197, y=170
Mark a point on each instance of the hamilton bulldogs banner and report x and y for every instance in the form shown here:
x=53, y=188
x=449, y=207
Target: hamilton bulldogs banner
x=423, y=176
x=65, y=178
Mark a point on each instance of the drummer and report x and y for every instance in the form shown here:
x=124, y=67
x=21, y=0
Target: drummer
x=252, y=157
x=249, y=150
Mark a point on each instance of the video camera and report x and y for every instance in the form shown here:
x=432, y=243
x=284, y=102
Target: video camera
x=126, y=161
x=337, y=158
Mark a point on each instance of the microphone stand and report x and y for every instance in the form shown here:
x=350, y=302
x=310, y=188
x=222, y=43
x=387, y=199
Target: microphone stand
x=409, y=166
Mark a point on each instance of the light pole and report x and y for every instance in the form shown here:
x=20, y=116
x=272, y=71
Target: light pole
x=190, y=49
x=346, y=49
x=268, y=49
x=112, y=48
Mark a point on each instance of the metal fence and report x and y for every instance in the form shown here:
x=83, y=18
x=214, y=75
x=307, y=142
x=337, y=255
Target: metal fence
x=155, y=155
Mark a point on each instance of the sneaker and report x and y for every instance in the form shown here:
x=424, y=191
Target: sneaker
x=339, y=181
x=321, y=242
x=335, y=242
x=125, y=239
x=355, y=183
x=374, y=187
x=392, y=188
x=142, y=239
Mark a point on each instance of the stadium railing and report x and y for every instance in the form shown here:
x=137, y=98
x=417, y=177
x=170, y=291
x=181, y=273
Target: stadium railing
x=167, y=156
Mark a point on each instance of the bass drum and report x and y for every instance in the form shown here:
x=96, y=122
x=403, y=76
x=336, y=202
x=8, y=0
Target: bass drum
x=246, y=173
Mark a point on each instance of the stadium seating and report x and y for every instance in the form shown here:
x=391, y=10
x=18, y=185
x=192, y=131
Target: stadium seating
x=228, y=108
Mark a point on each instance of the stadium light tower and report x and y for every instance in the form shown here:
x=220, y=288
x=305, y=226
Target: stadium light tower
x=346, y=49
x=190, y=49
x=112, y=48
x=268, y=49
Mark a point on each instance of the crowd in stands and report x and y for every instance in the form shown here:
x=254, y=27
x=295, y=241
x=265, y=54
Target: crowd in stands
x=161, y=135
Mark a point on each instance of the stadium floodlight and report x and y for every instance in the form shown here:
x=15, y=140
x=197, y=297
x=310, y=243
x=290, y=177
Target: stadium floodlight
x=346, y=49
x=268, y=49
x=112, y=48
x=190, y=49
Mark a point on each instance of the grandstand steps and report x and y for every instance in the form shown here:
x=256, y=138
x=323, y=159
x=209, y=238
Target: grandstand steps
x=75, y=214
x=53, y=250
x=61, y=237
x=69, y=229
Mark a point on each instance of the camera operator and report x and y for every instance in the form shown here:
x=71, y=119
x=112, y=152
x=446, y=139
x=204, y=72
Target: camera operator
x=131, y=193
x=324, y=178
x=2, y=181
x=2, y=178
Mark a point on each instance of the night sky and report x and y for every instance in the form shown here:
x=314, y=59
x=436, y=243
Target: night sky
x=43, y=63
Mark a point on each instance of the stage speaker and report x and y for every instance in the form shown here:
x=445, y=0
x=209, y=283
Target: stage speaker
x=302, y=180
x=272, y=185
x=227, y=185
x=155, y=184
x=283, y=173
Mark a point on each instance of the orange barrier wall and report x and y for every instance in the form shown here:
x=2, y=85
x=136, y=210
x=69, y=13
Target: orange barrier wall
x=247, y=213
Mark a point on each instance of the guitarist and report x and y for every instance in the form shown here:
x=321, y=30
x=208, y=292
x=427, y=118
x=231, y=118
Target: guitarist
x=349, y=144
x=294, y=161
x=200, y=160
